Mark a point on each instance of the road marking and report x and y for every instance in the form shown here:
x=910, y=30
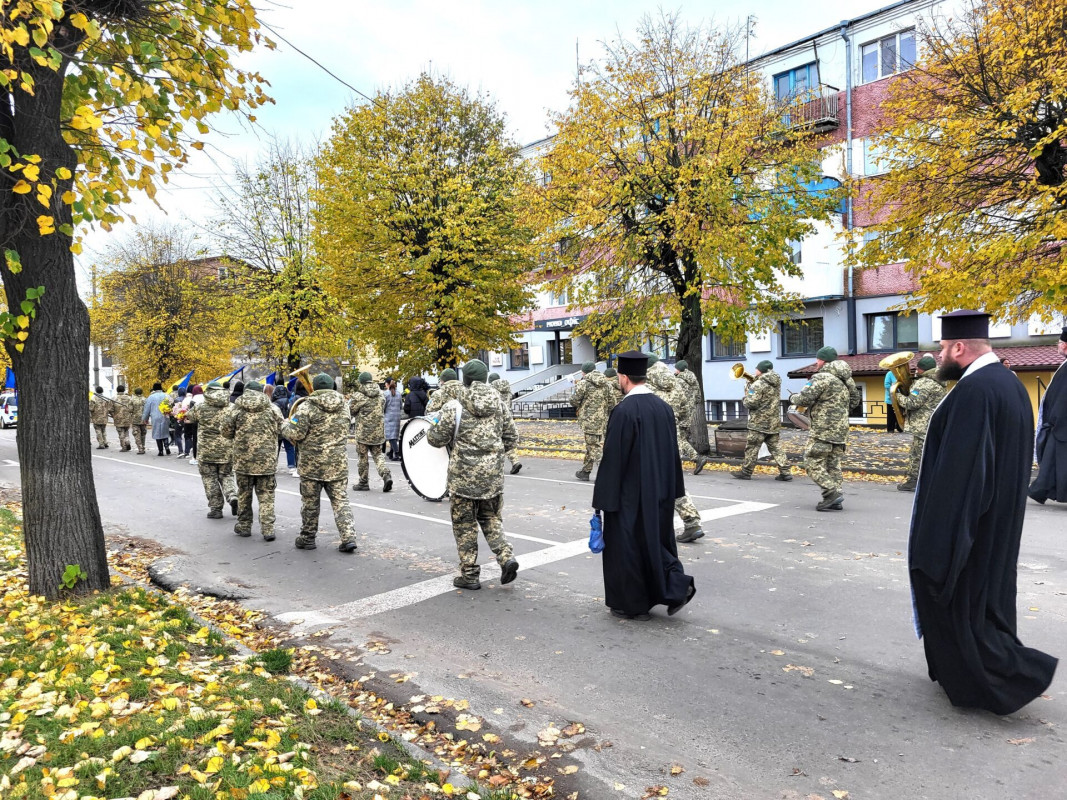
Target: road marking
x=9, y=463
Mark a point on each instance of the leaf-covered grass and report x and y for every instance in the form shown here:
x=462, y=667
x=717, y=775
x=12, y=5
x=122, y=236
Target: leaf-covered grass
x=124, y=694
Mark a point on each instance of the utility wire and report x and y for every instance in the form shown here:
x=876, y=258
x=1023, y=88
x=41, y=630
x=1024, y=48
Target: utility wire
x=321, y=66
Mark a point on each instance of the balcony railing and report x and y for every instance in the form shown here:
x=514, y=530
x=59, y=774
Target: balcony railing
x=816, y=109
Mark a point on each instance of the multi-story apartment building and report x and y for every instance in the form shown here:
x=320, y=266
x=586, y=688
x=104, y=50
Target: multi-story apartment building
x=845, y=71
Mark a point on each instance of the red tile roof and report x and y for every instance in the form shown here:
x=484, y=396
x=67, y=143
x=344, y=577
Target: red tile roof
x=1031, y=358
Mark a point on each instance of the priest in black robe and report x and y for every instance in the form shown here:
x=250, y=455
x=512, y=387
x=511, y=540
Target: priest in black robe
x=1051, y=445
x=639, y=479
x=966, y=526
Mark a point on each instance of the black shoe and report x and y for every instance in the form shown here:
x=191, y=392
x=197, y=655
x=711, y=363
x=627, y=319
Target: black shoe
x=581, y=475
x=741, y=475
x=388, y=485
x=241, y=532
x=345, y=547
x=701, y=463
x=106, y=445
x=907, y=486
x=233, y=508
x=268, y=537
x=1036, y=499
x=672, y=610
x=101, y=446
x=623, y=615
x=466, y=583
x=783, y=476
x=360, y=487
x=830, y=504
x=214, y=514
x=838, y=506
x=509, y=571
x=690, y=535
x=168, y=451
x=304, y=543
x=515, y=468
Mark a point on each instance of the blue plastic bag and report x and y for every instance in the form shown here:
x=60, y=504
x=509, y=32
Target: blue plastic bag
x=596, y=534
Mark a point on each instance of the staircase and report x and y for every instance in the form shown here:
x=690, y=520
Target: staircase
x=544, y=396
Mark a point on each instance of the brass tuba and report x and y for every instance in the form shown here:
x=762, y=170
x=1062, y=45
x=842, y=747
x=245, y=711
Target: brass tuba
x=898, y=364
x=305, y=381
x=738, y=371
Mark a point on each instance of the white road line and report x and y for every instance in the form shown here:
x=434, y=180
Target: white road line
x=591, y=483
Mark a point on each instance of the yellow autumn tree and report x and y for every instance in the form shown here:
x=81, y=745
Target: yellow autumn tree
x=101, y=98
x=975, y=140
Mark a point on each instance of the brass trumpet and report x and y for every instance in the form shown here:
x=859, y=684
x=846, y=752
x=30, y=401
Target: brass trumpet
x=738, y=371
x=898, y=365
x=305, y=381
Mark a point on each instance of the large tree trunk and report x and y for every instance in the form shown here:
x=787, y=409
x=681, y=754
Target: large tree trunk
x=690, y=348
x=61, y=518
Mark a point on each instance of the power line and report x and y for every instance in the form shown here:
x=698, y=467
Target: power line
x=321, y=66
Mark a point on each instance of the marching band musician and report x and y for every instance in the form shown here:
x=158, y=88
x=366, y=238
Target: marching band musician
x=320, y=428
x=594, y=399
x=686, y=396
x=919, y=404
x=367, y=406
x=478, y=430
x=763, y=399
x=253, y=422
x=450, y=389
x=214, y=453
x=503, y=388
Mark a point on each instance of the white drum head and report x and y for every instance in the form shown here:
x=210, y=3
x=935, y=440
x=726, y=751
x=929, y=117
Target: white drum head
x=425, y=466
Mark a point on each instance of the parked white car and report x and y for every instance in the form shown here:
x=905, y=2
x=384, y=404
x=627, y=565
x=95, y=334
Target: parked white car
x=9, y=410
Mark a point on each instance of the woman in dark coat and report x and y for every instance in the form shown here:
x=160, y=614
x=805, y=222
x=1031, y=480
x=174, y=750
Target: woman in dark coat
x=417, y=397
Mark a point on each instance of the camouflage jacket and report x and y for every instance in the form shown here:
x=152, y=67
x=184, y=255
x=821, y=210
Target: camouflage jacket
x=252, y=422
x=449, y=390
x=99, y=409
x=926, y=392
x=367, y=405
x=476, y=468
x=137, y=410
x=614, y=381
x=125, y=411
x=503, y=388
x=661, y=382
x=688, y=380
x=763, y=399
x=320, y=427
x=828, y=396
x=211, y=447
x=594, y=398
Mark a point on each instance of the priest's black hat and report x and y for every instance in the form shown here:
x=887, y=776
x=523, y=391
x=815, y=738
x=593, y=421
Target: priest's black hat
x=1063, y=334
x=965, y=325
x=633, y=364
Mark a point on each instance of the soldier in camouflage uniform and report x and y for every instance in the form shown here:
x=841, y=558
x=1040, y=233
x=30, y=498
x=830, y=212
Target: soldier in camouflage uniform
x=659, y=380
x=613, y=378
x=367, y=406
x=476, y=472
x=122, y=411
x=503, y=388
x=320, y=428
x=684, y=401
x=214, y=453
x=594, y=398
x=99, y=409
x=450, y=388
x=926, y=392
x=763, y=399
x=253, y=423
x=828, y=396
x=137, y=410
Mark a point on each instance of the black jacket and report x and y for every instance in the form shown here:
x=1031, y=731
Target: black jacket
x=417, y=397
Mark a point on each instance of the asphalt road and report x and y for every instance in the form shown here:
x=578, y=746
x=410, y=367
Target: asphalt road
x=794, y=672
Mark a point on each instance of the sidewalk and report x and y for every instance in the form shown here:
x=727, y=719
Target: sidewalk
x=871, y=451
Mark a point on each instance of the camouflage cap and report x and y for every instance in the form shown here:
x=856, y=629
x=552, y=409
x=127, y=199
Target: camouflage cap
x=494, y=376
x=610, y=373
x=365, y=377
x=826, y=353
x=765, y=366
x=475, y=370
x=322, y=381
x=681, y=365
x=449, y=375
x=588, y=367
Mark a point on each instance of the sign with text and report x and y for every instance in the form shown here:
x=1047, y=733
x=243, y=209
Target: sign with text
x=564, y=324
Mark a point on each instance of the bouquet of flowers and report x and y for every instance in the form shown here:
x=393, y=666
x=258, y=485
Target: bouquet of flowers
x=164, y=407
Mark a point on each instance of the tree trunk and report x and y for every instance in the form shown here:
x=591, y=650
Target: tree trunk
x=690, y=348
x=61, y=519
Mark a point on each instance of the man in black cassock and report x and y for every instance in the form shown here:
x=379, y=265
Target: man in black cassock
x=639, y=479
x=1051, y=445
x=966, y=525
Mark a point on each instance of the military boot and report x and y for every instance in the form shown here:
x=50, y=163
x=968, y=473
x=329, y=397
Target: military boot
x=463, y=582
x=691, y=533
x=702, y=462
x=830, y=502
x=241, y=531
x=783, y=476
x=581, y=475
x=361, y=487
x=741, y=475
x=388, y=485
x=907, y=486
x=516, y=467
x=305, y=542
x=346, y=547
x=214, y=514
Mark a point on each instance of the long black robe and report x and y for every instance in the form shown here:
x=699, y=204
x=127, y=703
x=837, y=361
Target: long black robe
x=639, y=479
x=1051, y=451
x=965, y=530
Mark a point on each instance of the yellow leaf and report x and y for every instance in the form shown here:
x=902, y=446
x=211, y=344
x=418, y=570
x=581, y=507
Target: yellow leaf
x=840, y=794
x=20, y=347
x=259, y=786
x=214, y=764
x=32, y=172
x=63, y=173
x=21, y=187
x=22, y=336
x=46, y=225
x=22, y=321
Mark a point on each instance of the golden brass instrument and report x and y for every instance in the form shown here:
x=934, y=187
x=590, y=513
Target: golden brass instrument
x=898, y=364
x=305, y=381
x=738, y=371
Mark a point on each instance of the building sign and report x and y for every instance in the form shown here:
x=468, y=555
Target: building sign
x=496, y=359
x=565, y=324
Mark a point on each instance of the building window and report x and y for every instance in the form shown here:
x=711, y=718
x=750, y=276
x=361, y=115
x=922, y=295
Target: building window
x=874, y=158
x=801, y=337
x=519, y=357
x=722, y=347
x=796, y=82
x=793, y=249
x=892, y=332
x=888, y=56
x=558, y=298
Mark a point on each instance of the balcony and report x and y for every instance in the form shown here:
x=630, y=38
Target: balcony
x=817, y=109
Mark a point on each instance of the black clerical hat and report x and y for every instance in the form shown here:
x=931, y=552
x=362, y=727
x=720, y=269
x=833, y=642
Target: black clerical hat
x=1063, y=334
x=965, y=325
x=633, y=364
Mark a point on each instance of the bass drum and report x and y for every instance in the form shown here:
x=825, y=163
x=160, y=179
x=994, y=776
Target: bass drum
x=425, y=466
x=799, y=419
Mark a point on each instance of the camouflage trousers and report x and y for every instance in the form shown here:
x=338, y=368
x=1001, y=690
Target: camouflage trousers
x=594, y=451
x=915, y=455
x=138, y=436
x=264, y=486
x=124, y=436
x=823, y=464
x=374, y=450
x=756, y=440
x=687, y=511
x=512, y=456
x=686, y=450
x=101, y=434
x=337, y=492
x=467, y=517
x=219, y=483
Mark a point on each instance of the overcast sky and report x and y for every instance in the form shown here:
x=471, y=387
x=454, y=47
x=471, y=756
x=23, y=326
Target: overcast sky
x=520, y=52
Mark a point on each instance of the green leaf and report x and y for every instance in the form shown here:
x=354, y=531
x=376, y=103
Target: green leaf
x=26, y=306
x=14, y=262
x=31, y=294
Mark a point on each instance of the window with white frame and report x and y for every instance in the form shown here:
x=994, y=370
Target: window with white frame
x=888, y=55
x=797, y=82
x=723, y=347
x=793, y=251
x=874, y=158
